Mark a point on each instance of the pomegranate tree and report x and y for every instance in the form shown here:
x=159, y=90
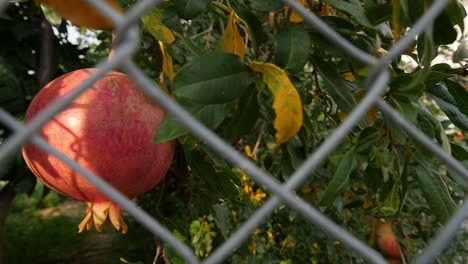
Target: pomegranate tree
x=108, y=130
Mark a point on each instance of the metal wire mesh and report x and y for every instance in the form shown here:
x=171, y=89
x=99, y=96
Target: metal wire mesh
x=127, y=41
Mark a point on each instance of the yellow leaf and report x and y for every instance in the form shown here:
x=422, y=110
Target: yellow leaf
x=286, y=103
x=232, y=40
x=82, y=14
x=153, y=24
x=168, y=67
x=228, y=10
x=162, y=83
x=295, y=17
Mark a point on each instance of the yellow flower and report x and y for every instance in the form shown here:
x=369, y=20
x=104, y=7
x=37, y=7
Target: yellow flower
x=258, y=196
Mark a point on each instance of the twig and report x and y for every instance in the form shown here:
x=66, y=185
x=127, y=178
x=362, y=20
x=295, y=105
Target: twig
x=207, y=44
x=166, y=260
x=207, y=31
x=158, y=251
x=259, y=139
x=316, y=77
x=330, y=118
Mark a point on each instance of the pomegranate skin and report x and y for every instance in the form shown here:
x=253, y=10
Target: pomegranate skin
x=109, y=130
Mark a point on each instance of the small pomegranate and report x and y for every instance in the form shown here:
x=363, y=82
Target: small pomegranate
x=387, y=240
x=108, y=130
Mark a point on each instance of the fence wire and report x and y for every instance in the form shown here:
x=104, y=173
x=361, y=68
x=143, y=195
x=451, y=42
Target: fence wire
x=127, y=41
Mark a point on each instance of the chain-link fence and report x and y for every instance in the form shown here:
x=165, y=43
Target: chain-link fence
x=127, y=40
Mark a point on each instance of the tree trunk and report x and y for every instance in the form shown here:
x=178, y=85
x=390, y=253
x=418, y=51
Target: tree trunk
x=46, y=64
x=6, y=198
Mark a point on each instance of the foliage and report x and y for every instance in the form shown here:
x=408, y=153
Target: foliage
x=272, y=86
x=52, y=240
x=36, y=230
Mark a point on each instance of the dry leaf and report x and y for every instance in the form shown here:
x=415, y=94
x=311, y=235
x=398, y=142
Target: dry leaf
x=168, y=67
x=296, y=17
x=153, y=24
x=232, y=40
x=287, y=102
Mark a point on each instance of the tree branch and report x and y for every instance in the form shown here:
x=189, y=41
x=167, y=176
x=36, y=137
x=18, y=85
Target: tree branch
x=6, y=197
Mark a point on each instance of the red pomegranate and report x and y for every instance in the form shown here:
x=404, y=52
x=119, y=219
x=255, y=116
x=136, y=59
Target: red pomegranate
x=109, y=130
x=387, y=240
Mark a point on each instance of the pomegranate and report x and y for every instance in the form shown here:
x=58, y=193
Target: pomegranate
x=108, y=130
x=387, y=240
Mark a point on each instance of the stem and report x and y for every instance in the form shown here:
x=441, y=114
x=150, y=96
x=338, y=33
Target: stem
x=259, y=139
x=158, y=250
x=6, y=197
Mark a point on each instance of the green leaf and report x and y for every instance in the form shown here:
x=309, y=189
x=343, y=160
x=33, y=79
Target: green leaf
x=340, y=179
x=267, y=5
x=415, y=9
x=213, y=78
x=295, y=151
x=354, y=9
x=339, y=24
x=368, y=137
x=444, y=31
x=171, y=254
x=188, y=9
x=379, y=13
x=439, y=72
x=216, y=184
x=456, y=13
x=152, y=22
x=403, y=84
x=426, y=126
x=210, y=115
x=222, y=218
x=460, y=94
x=447, y=103
x=461, y=154
x=244, y=118
x=427, y=51
x=292, y=48
x=189, y=45
x=336, y=87
x=439, y=131
x=392, y=201
x=434, y=188
x=54, y=18
x=405, y=106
